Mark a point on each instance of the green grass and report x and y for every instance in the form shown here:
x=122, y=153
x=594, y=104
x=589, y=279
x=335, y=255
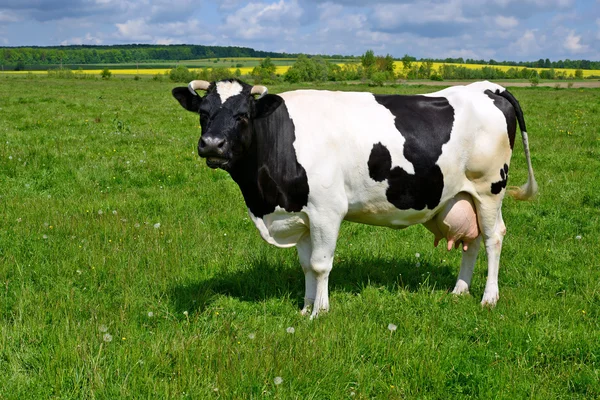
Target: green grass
x=89, y=168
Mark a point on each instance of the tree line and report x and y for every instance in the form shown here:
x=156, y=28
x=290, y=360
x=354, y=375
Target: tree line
x=15, y=57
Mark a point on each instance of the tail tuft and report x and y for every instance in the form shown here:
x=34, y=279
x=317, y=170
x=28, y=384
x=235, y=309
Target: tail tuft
x=526, y=192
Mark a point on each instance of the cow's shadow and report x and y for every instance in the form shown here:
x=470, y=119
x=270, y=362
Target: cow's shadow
x=264, y=279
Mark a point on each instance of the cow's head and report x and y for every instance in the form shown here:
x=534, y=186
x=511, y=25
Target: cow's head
x=227, y=112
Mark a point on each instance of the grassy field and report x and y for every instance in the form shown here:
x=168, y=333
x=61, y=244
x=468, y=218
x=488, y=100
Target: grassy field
x=128, y=269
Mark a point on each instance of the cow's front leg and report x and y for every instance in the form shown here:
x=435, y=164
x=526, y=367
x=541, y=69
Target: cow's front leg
x=318, y=248
x=304, y=248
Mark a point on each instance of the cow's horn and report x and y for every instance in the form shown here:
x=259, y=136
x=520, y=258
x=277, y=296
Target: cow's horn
x=258, y=89
x=198, y=85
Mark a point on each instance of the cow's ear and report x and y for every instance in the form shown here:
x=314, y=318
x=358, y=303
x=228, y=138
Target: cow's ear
x=187, y=99
x=266, y=105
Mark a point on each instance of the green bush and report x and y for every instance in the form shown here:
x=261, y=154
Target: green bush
x=105, y=74
x=378, y=78
x=181, y=74
x=61, y=73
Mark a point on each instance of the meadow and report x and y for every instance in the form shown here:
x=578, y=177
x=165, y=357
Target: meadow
x=129, y=269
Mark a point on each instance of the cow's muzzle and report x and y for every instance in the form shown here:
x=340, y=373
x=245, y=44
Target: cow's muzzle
x=215, y=151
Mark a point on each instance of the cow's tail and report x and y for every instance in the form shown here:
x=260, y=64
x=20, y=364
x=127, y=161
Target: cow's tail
x=530, y=188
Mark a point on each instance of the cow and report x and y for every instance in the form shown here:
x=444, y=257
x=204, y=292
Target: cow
x=306, y=160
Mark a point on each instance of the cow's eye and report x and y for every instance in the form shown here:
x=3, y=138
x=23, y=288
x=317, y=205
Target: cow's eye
x=243, y=118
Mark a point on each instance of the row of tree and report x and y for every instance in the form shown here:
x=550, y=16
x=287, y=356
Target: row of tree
x=379, y=69
x=11, y=57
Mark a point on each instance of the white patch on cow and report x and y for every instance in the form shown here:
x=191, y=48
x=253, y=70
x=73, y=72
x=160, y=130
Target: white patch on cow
x=334, y=146
x=281, y=228
x=228, y=89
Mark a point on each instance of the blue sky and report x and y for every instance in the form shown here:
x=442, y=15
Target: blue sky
x=518, y=30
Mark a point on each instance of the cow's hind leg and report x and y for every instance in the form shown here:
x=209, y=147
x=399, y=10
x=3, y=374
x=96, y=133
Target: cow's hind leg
x=493, y=230
x=467, y=265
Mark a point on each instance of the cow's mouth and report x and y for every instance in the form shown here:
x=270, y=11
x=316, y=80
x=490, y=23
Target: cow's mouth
x=217, y=162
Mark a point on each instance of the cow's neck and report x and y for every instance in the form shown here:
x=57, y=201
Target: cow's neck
x=270, y=175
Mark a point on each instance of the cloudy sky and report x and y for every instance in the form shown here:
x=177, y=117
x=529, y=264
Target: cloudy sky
x=518, y=30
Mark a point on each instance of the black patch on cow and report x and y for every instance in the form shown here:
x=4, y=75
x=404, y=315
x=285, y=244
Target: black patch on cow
x=269, y=175
x=509, y=113
x=380, y=163
x=501, y=184
x=426, y=124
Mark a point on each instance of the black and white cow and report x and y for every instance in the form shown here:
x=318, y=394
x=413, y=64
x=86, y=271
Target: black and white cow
x=306, y=160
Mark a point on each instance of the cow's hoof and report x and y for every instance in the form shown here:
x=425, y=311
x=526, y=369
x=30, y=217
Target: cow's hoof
x=318, y=311
x=490, y=299
x=461, y=288
x=305, y=310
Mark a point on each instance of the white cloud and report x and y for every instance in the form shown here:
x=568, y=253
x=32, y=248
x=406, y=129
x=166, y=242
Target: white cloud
x=528, y=44
x=332, y=18
x=87, y=39
x=573, y=43
x=506, y=22
x=263, y=20
x=8, y=17
x=134, y=30
x=393, y=16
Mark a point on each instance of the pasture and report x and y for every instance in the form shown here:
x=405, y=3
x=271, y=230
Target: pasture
x=129, y=269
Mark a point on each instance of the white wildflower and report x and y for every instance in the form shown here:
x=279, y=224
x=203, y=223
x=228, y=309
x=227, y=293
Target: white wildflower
x=278, y=380
x=578, y=237
x=251, y=336
x=103, y=328
x=392, y=327
x=150, y=314
x=157, y=225
x=290, y=329
x=107, y=337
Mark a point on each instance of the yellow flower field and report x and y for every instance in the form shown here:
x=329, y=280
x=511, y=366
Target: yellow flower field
x=282, y=69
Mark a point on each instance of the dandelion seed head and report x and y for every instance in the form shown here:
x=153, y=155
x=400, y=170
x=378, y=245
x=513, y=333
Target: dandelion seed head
x=45, y=237
x=107, y=337
x=392, y=327
x=418, y=264
x=150, y=314
x=290, y=329
x=278, y=380
x=157, y=225
x=103, y=328
x=578, y=237
x=251, y=336
x=417, y=255
x=185, y=313
x=114, y=212
x=100, y=212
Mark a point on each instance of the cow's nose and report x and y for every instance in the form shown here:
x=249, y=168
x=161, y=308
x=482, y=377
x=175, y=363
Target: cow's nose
x=211, y=146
